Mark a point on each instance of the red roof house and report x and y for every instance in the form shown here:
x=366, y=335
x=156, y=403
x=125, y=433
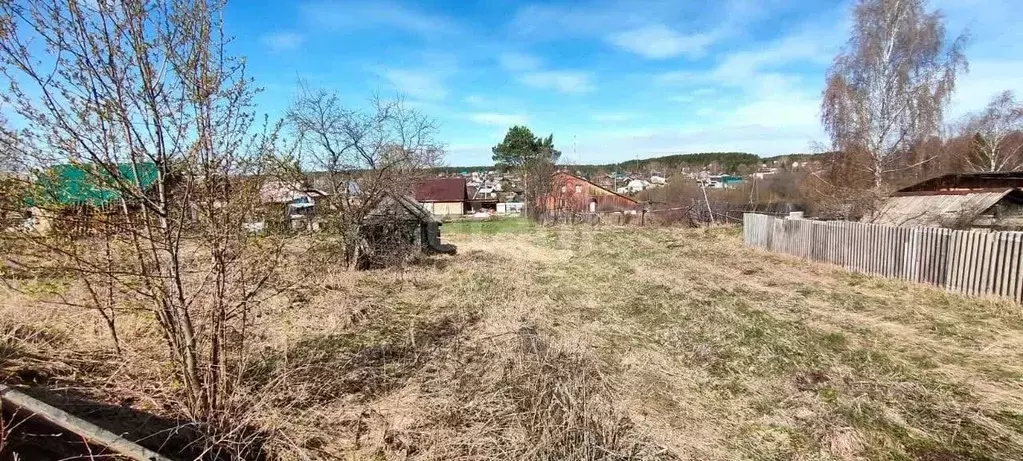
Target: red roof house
x=572, y=193
x=443, y=196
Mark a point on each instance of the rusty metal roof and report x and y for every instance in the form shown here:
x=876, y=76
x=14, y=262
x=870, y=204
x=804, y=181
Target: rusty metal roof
x=969, y=181
x=935, y=210
x=442, y=190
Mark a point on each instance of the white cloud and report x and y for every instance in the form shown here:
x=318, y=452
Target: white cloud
x=416, y=83
x=607, y=117
x=563, y=81
x=498, y=119
x=745, y=69
x=350, y=15
x=660, y=42
x=986, y=78
x=529, y=71
x=283, y=41
x=474, y=100
x=518, y=62
x=597, y=18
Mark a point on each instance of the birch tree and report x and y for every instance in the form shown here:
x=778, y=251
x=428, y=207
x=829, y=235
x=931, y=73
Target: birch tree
x=887, y=90
x=996, y=135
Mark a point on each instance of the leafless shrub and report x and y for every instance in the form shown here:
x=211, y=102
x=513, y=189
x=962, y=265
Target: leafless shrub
x=141, y=104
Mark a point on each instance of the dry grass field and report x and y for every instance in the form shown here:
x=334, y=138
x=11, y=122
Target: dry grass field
x=577, y=343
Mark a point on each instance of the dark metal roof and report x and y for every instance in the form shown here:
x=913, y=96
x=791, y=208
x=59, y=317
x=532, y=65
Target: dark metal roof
x=968, y=181
x=442, y=190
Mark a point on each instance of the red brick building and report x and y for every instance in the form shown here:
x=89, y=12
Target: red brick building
x=572, y=193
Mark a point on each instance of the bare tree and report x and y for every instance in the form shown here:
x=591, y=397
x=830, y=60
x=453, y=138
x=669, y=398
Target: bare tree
x=540, y=190
x=142, y=98
x=361, y=156
x=887, y=91
x=996, y=135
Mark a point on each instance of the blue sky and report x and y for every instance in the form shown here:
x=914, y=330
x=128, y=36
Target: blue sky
x=613, y=80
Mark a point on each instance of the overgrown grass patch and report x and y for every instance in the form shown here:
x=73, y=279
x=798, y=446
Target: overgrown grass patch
x=488, y=226
x=615, y=343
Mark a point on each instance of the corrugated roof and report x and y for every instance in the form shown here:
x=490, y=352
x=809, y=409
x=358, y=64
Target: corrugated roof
x=934, y=210
x=89, y=184
x=442, y=190
x=968, y=181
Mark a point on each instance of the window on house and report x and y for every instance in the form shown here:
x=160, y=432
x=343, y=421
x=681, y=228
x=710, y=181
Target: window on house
x=562, y=189
x=578, y=188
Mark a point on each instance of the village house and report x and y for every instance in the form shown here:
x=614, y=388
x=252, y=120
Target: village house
x=298, y=204
x=634, y=186
x=969, y=200
x=482, y=199
x=444, y=196
x=67, y=196
x=573, y=193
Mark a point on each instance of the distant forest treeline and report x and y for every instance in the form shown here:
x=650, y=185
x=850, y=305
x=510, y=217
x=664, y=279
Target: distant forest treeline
x=725, y=161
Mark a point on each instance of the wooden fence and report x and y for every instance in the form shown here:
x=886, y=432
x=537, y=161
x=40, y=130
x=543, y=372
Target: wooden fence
x=973, y=263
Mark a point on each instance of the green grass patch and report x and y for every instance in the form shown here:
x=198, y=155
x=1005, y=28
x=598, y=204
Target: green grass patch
x=489, y=226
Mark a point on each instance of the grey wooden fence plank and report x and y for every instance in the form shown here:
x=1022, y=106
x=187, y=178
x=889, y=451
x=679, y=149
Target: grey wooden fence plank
x=922, y=250
x=910, y=256
x=980, y=278
x=1007, y=264
x=952, y=266
x=882, y=253
x=882, y=250
x=862, y=250
x=980, y=287
x=962, y=260
x=998, y=267
x=868, y=261
x=927, y=258
x=1016, y=275
x=984, y=281
x=970, y=255
x=935, y=256
x=868, y=257
x=885, y=253
x=973, y=263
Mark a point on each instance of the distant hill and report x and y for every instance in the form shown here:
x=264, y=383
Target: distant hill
x=725, y=161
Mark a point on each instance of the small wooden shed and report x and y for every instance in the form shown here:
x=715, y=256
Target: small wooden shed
x=398, y=227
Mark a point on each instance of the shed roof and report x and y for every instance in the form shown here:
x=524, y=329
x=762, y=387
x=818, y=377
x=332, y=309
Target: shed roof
x=442, y=190
x=968, y=181
x=394, y=205
x=90, y=184
x=936, y=210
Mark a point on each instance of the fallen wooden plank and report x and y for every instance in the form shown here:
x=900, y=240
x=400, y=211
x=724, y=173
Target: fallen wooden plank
x=90, y=432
